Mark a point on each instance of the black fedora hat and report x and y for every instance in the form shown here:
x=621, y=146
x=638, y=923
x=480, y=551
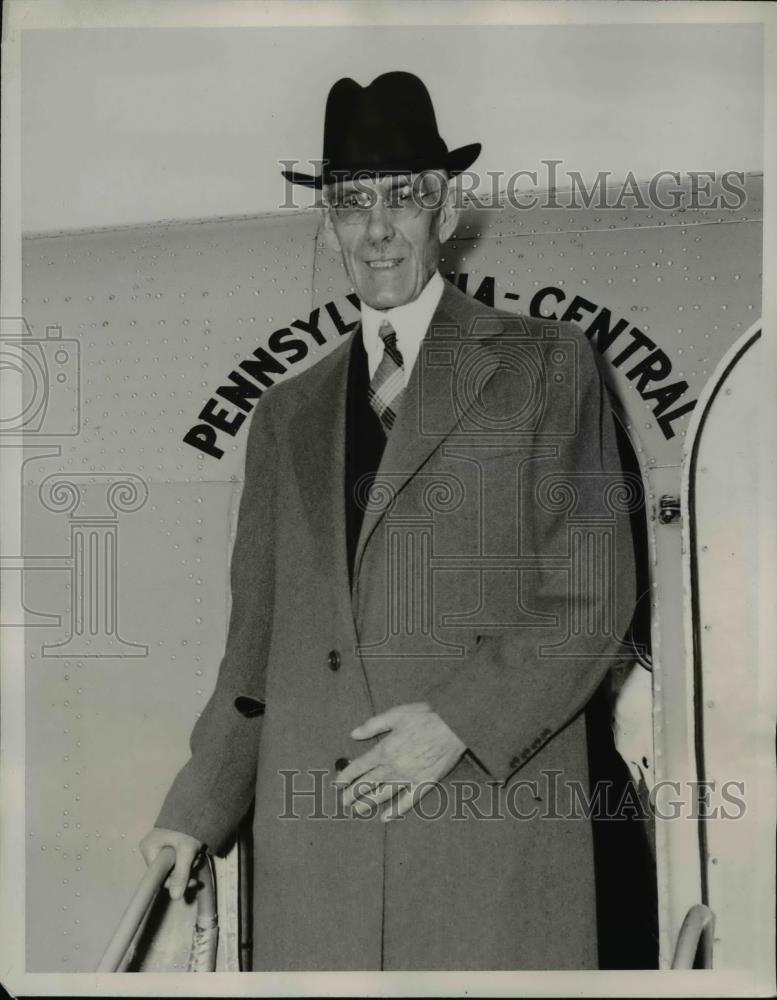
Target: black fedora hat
x=388, y=127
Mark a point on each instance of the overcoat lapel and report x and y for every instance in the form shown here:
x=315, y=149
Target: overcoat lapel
x=428, y=414
x=317, y=437
x=429, y=411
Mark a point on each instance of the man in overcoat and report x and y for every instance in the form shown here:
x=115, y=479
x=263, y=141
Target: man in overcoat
x=432, y=569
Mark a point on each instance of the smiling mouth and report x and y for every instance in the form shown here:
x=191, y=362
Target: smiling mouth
x=384, y=265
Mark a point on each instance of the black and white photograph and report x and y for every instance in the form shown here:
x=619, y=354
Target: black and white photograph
x=388, y=478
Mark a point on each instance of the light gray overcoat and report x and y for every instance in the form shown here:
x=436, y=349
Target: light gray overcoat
x=493, y=572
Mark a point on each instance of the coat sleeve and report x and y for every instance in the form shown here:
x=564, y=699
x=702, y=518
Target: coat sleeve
x=516, y=691
x=214, y=789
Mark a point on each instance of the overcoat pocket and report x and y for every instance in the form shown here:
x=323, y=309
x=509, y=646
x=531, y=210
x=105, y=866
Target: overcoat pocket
x=249, y=706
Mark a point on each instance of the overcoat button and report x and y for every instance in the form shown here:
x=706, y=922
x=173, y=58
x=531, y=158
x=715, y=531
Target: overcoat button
x=515, y=762
x=341, y=763
x=333, y=660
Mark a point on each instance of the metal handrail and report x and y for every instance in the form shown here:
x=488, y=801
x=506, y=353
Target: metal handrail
x=695, y=939
x=202, y=957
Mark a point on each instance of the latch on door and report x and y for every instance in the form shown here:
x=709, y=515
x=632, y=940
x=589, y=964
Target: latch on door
x=668, y=509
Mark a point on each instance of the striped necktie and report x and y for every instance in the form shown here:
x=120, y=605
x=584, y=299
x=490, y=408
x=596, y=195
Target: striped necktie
x=387, y=385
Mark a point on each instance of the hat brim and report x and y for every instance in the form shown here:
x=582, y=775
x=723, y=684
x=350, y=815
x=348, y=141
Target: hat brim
x=455, y=161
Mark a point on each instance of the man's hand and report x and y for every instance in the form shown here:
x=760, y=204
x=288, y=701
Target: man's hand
x=418, y=749
x=186, y=850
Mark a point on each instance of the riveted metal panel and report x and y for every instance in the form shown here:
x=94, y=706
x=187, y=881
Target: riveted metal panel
x=162, y=314
x=128, y=529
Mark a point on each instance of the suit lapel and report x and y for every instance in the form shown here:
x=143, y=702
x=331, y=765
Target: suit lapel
x=429, y=409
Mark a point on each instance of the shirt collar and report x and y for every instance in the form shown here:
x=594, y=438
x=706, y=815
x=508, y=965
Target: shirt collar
x=410, y=321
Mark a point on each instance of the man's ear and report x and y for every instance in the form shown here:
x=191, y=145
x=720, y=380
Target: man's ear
x=328, y=229
x=449, y=213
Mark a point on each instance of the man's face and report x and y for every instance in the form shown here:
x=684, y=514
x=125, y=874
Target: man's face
x=390, y=242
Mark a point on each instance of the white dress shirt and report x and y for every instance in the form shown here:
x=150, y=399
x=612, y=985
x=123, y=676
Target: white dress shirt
x=410, y=322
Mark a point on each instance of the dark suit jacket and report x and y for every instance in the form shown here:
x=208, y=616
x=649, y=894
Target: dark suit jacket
x=492, y=576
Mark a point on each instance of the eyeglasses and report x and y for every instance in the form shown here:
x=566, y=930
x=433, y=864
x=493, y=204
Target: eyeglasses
x=403, y=200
